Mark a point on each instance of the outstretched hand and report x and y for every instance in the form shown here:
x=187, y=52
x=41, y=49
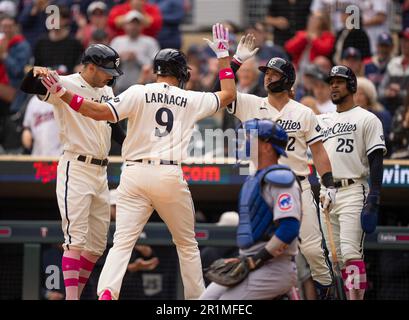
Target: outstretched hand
x=220, y=43
x=246, y=48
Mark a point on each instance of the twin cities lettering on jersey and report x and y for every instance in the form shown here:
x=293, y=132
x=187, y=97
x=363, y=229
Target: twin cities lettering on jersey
x=166, y=99
x=103, y=98
x=289, y=125
x=339, y=128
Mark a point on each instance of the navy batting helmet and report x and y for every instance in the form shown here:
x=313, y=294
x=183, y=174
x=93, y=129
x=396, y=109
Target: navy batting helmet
x=104, y=57
x=269, y=131
x=172, y=62
x=287, y=71
x=346, y=73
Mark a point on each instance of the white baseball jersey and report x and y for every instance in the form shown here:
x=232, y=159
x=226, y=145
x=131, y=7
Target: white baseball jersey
x=298, y=121
x=349, y=137
x=81, y=134
x=161, y=119
x=39, y=119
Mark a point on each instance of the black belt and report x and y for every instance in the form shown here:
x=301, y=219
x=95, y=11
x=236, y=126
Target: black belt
x=95, y=161
x=165, y=162
x=338, y=184
x=301, y=178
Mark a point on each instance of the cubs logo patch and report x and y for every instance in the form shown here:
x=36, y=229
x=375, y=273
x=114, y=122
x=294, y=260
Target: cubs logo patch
x=285, y=202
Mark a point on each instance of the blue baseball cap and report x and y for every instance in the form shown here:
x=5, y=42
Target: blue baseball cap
x=385, y=39
x=351, y=52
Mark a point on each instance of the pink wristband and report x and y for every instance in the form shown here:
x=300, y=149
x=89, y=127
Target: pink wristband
x=76, y=102
x=226, y=74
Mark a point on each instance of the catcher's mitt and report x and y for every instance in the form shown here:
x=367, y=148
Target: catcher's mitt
x=230, y=272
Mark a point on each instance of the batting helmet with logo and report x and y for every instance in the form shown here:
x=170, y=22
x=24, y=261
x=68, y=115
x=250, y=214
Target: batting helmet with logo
x=172, y=62
x=287, y=71
x=104, y=57
x=346, y=73
x=269, y=131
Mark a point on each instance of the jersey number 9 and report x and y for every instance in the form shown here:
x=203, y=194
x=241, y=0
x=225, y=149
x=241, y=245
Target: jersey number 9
x=168, y=122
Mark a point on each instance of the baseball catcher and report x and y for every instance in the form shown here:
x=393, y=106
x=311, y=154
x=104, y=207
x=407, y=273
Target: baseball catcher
x=269, y=223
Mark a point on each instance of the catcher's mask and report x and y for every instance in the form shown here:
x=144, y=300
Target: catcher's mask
x=264, y=129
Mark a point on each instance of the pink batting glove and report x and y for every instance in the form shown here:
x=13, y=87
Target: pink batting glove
x=53, y=84
x=220, y=43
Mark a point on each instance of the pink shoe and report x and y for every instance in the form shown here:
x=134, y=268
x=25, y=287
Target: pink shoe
x=106, y=295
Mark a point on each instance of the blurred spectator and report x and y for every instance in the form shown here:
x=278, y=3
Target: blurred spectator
x=247, y=79
x=332, y=8
x=173, y=12
x=287, y=17
x=399, y=135
x=311, y=103
x=58, y=50
x=375, y=67
x=323, y=63
x=135, y=50
x=357, y=38
x=99, y=36
x=314, y=41
x=15, y=54
x=194, y=82
x=98, y=17
x=374, y=19
x=210, y=254
x=32, y=20
x=41, y=132
x=7, y=94
x=352, y=58
x=367, y=97
x=8, y=8
x=211, y=74
x=405, y=13
x=304, y=83
x=321, y=91
x=151, y=22
x=392, y=89
x=267, y=48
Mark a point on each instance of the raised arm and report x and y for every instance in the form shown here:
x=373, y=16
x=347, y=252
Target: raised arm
x=91, y=109
x=245, y=50
x=220, y=46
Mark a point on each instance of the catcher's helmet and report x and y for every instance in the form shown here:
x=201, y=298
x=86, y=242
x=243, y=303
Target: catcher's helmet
x=104, y=57
x=287, y=71
x=346, y=73
x=172, y=62
x=269, y=131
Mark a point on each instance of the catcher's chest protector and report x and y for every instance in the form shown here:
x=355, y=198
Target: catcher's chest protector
x=256, y=218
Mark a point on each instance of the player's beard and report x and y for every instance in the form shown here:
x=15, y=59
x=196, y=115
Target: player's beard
x=339, y=100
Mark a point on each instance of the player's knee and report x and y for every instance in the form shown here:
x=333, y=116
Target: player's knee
x=310, y=252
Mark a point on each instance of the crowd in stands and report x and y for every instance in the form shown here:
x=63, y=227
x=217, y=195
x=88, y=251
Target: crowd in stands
x=313, y=34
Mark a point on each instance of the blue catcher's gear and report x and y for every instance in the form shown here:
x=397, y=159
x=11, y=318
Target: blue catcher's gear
x=268, y=131
x=256, y=218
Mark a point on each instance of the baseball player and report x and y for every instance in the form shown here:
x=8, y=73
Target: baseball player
x=269, y=221
x=160, y=116
x=303, y=130
x=353, y=138
x=82, y=186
